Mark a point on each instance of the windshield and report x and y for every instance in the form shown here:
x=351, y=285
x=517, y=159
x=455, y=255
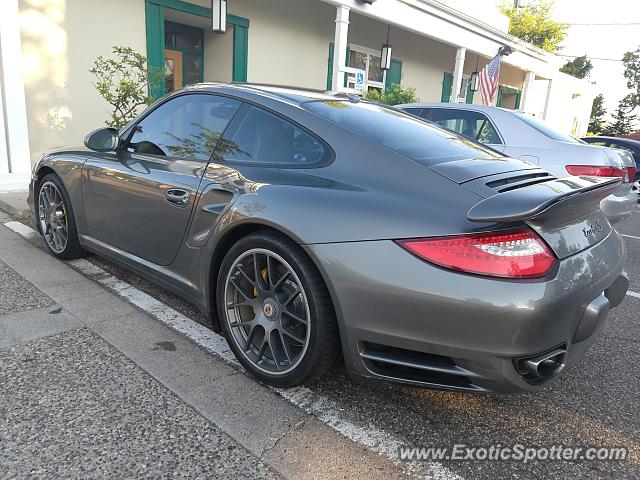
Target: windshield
x=401, y=132
x=545, y=129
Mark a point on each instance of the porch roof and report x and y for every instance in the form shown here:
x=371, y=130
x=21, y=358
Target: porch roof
x=442, y=23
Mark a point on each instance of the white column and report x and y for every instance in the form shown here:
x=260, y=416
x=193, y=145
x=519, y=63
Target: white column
x=12, y=91
x=526, y=90
x=547, y=102
x=457, y=74
x=340, y=47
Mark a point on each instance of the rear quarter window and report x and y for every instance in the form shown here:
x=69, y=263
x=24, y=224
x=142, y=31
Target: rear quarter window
x=259, y=137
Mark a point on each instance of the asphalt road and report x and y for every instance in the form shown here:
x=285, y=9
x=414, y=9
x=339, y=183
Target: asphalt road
x=594, y=404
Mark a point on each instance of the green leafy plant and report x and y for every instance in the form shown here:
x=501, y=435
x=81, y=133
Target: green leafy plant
x=534, y=24
x=394, y=95
x=631, y=63
x=623, y=119
x=597, y=122
x=123, y=81
x=579, y=67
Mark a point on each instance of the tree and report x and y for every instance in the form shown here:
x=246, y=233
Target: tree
x=598, y=112
x=579, y=67
x=123, y=82
x=623, y=119
x=631, y=62
x=533, y=23
x=394, y=95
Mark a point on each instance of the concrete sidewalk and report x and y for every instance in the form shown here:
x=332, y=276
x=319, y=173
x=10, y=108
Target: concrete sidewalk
x=15, y=204
x=92, y=387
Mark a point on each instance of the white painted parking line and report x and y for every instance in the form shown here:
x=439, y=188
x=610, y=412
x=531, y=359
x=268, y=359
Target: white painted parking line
x=630, y=236
x=633, y=294
x=313, y=403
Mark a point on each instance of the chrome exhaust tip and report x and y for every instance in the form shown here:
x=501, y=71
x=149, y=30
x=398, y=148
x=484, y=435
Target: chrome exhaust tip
x=547, y=365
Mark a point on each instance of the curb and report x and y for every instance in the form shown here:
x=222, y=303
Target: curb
x=14, y=212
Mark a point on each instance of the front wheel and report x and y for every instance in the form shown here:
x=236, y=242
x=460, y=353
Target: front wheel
x=275, y=310
x=55, y=219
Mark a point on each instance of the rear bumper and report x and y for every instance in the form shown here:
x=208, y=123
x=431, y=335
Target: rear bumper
x=404, y=320
x=618, y=206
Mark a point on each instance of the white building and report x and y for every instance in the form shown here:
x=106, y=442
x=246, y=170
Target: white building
x=47, y=47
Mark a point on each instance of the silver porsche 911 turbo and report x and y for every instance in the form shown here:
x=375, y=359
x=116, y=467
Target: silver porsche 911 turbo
x=312, y=226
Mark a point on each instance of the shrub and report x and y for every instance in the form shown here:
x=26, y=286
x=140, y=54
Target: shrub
x=394, y=95
x=123, y=81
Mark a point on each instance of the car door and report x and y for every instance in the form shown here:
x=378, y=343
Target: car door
x=140, y=198
x=474, y=125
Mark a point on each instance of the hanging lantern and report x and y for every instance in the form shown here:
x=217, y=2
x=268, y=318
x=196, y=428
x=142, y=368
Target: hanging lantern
x=385, y=56
x=219, y=16
x=474, y=82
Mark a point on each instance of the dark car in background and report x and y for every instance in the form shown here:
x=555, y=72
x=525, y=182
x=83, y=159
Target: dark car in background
x=632, y=146
x=310, y=225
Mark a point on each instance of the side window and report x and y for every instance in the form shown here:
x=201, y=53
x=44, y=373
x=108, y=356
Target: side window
x=264, y=138
x=622, y=147
x=414, y=111
x=472, y=125
x=599, y=143
x=187, y=127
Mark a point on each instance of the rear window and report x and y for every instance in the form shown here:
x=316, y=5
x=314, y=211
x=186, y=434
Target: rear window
x=546, y=130
x=400, y=132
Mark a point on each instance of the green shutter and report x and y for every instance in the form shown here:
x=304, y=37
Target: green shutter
x=518, y=95
x=330, y=67
x=240, y=53
x=346, y=64
x=499, y=97
x=394, y=74
x=447, y=85
x=469, y=98
x=154, y=22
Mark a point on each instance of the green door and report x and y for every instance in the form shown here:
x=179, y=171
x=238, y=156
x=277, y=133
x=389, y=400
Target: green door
x=505, y=92
x=447, y=85
x=394, y=74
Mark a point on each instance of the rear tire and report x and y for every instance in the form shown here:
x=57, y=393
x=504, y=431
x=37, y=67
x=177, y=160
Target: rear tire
x=275, y=310
x=55, y=219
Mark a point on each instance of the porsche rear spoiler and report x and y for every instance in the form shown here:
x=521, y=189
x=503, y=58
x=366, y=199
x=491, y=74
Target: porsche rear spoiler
x=570, y=194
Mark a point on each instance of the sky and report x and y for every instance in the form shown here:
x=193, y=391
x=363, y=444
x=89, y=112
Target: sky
x=602, y=41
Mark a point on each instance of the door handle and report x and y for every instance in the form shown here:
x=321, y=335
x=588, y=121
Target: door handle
x=177, y=197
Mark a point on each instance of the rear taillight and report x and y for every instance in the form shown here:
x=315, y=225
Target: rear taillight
x=596, y=171
x=511, y=253
x=631, y=174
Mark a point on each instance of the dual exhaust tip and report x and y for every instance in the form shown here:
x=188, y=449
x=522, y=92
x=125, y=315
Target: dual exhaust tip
x=543, y=367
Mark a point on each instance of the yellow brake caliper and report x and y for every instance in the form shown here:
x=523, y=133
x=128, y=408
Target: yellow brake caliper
x=265, y=275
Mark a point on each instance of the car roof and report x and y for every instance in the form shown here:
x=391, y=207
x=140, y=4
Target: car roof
x=289, y=94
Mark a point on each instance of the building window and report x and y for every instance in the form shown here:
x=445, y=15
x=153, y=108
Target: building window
x=366, y=59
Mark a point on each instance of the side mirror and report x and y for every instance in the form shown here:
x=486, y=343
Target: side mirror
x=103, y=140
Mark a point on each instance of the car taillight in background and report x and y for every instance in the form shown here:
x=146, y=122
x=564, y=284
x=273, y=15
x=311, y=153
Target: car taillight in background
x=627, y=173
x=510, y=253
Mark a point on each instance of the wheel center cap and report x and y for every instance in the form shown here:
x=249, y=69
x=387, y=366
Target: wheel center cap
x=270, y=308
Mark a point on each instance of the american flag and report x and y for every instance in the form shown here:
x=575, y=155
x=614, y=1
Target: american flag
x=489, y=77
